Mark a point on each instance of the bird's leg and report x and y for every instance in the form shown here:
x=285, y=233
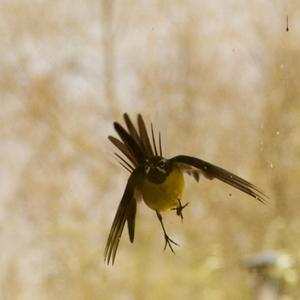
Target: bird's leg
x=168, y=241
x=180, y=208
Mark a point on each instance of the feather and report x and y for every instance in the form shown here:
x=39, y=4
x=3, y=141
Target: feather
x=125, y=212
x=211, y=171
x=144, y=137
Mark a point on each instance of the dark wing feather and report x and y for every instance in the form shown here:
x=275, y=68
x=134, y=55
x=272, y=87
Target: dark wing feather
x=189, y=164
x=131, y=220
x=126, y=212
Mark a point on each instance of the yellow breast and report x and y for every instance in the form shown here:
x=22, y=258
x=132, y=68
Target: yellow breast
x=165, y=195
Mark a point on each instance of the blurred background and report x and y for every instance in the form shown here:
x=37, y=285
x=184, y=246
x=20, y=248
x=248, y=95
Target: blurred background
x=221, y=81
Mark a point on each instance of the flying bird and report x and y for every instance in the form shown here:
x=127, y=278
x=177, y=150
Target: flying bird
x=157, y=180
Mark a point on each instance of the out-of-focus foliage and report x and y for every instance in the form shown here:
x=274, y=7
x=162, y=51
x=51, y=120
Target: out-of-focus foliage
x=221, y=81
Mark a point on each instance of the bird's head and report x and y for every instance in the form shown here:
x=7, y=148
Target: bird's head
x=157, y=168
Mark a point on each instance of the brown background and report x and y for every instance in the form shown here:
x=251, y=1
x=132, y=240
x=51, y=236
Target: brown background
x=221, y=80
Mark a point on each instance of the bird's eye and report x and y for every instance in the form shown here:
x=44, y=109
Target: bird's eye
x=162, y=164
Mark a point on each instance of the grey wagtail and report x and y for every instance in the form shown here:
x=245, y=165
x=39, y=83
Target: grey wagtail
x=157, y=180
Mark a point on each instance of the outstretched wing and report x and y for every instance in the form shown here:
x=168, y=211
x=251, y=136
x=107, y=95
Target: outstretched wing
x=126, y=212
x=192, y=166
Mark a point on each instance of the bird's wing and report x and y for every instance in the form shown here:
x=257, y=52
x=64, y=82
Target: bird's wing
x=126, y=212
x=194, y=166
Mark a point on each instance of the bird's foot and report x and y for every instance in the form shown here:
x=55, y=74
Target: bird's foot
x=180, y=208
x=169, y=242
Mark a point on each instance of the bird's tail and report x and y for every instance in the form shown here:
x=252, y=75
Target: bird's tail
x=134, y=143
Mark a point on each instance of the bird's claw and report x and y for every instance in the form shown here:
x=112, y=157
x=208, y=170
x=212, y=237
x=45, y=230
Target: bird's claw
x=169, y=242
x=180, y=208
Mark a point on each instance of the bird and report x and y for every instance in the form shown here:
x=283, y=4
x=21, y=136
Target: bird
x=157, y=180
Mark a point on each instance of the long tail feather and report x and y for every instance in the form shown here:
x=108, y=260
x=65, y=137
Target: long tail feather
x=153, y=140
x=124, y=149
x=134, y=142
x=131, y=129
x=159, y=141
x=130, y=142
x=124, y=162
x=144, y=136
